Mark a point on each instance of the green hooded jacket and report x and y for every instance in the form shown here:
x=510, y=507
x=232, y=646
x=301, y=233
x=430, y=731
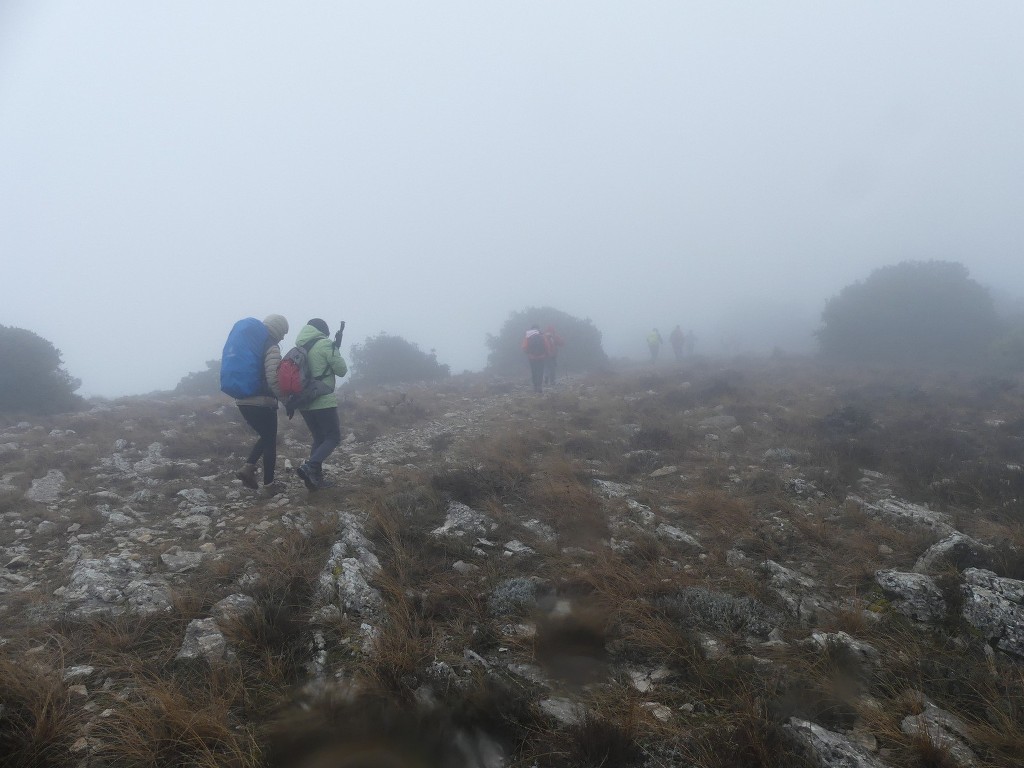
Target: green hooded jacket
x=325, y=363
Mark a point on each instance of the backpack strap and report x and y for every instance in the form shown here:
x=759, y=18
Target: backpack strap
x=308, y=346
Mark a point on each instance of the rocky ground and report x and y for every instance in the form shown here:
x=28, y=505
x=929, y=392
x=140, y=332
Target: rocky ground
x=760, y=564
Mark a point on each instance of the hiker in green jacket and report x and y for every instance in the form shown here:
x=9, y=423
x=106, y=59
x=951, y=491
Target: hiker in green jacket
x=654, y=343
x=321, y=415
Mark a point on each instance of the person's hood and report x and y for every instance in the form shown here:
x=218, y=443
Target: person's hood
x=307, y=334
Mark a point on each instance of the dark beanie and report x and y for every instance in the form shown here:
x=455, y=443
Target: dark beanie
x=320, y=325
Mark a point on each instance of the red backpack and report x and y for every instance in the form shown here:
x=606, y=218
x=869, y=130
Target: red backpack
x=296, y=382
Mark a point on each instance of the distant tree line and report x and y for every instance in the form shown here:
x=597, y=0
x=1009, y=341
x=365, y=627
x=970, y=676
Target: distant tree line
x=32, y=377
x=927, y=313
x=386, y=359
x=201, y=382
x=582, y=351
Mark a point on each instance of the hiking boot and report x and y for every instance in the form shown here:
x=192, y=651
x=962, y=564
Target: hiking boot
x=247, y=475
x=270, y=490
x=307, y=472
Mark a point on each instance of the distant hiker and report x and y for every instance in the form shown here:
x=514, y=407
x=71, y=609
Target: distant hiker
x=678, y=340
x=321, y=415
x=537, y=352
x=248, y=372
x=554, y=342
x=654, y=342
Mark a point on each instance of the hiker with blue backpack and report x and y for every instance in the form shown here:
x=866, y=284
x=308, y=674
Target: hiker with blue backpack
x=248, y=373
x=324, y=364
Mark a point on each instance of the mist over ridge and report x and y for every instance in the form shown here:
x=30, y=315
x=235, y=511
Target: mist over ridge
x=427, y=171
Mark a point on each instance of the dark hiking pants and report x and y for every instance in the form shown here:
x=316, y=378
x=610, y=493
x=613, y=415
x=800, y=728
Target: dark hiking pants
x=325, y=427
x=264, y=421
x=537, y=371
x=549, y=370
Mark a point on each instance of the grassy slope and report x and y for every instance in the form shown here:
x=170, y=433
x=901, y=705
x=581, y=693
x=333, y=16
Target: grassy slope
x=610, y=610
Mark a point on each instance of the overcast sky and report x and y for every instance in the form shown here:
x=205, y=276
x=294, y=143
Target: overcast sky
x=426, y=168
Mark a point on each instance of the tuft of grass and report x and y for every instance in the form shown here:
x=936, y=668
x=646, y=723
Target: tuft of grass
x=37, y=720
x=164, y=722
x=597, y=742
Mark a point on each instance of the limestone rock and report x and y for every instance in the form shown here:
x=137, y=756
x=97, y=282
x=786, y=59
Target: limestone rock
x=180, y=561
x=832, y=750
x=232, y=608
x=196, y=497
x=204, y=640
x=564, y=711
x=957, y=549
x=114, y=584
x=613, y=490
x=47, y=490
x=343, y=583
x=944, y=730
x=461, y=521
x=516, y=547
x=798, y=592
x=666, y=531
x=995, y=606
x=917, y=596
x=77, y=674
x=905, y=512
x=541, y=530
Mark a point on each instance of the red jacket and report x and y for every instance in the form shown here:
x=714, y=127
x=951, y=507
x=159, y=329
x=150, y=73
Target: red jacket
x=553, y=339
x=539, y=355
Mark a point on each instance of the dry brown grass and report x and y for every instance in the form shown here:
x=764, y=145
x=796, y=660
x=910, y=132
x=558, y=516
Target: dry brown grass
x=38, y=720
x=628, y=607
x=500, y=470
x=564, y=500
x=425, y=604
x=159, y=721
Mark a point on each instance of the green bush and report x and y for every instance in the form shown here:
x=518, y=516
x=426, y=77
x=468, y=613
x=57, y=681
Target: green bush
x=384, y=359
x=582, y=350
x=1008, y=350
x=201, y=382
x=927, y=313
x=32, y=378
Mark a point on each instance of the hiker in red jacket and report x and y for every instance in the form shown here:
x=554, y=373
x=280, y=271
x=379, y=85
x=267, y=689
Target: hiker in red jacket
x=535, y=345
x=555, y=342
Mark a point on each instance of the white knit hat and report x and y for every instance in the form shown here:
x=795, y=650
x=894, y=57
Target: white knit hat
x=277, y=326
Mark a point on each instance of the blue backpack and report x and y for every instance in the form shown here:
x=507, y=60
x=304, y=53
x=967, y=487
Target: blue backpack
x=241, y=364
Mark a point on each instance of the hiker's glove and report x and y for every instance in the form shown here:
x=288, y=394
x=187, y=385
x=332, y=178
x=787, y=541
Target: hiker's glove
x=337, y=337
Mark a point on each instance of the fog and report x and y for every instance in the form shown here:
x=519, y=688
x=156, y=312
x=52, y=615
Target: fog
x=426, y=168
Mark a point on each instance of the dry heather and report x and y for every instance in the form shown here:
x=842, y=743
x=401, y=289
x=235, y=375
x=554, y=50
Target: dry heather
x=680, y=567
